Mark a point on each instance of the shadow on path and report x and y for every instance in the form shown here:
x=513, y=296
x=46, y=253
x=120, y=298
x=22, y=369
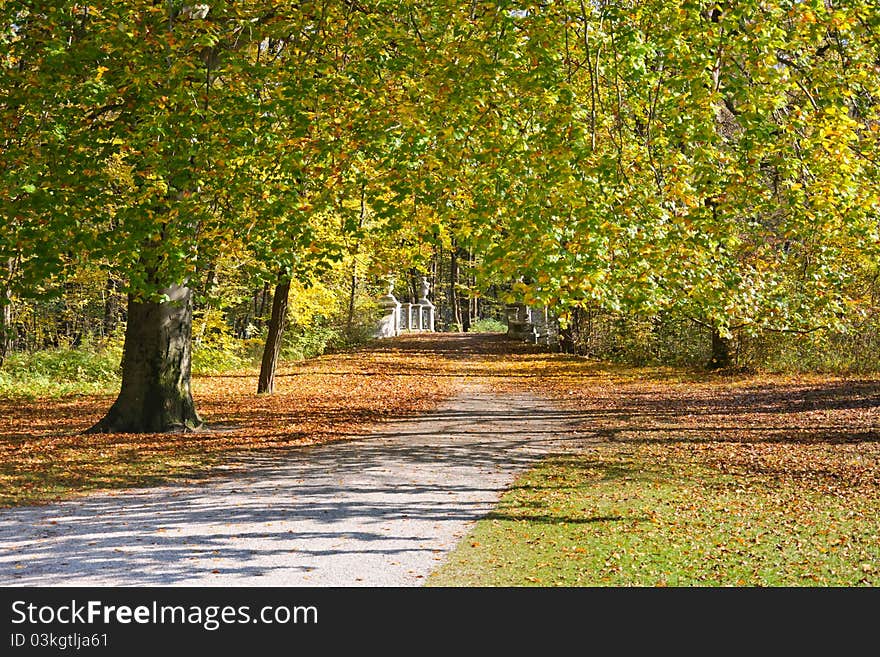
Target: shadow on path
x=375, y=511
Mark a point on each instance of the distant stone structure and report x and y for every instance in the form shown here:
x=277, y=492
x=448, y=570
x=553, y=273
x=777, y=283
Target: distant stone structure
x=400, y=318
x=535, y=325
x=389, y=322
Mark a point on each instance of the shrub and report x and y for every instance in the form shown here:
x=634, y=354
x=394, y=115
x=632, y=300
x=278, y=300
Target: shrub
x=488, y=325
x=301, y=342
x=55, y=372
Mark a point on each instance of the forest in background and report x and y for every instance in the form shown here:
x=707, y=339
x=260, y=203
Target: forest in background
x=681, y=183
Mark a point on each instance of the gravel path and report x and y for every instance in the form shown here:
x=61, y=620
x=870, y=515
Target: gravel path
x=377, y=511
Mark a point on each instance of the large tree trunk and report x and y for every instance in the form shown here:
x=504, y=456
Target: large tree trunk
x=266, y=383
x=155, y=396
x=721, y=352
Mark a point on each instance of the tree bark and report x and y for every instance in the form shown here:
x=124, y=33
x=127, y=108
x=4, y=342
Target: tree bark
x=454, y=298
x=571, y=338
x=272, y=349
x=464, y=302
x=355, y=279
x=155, y=396
x=5, y=325
x=260, y=309
x=111, y=306
x=354, y=282
x=721, y=352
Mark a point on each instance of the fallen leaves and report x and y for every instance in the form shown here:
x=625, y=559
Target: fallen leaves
x=668, y=477
x=45, y=456
x=820, y=431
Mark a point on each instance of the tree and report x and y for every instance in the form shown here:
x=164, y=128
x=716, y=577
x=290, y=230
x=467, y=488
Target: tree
x=149, y=111
x=153, y=135
x=690, y=170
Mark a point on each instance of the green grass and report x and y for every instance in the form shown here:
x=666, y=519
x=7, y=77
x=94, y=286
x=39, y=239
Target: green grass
x=61, y=372
x=488, y=325
x=618, y=518
x=54, y=373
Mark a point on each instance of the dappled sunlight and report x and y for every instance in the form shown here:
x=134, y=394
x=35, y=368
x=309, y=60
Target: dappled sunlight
x=792, y=425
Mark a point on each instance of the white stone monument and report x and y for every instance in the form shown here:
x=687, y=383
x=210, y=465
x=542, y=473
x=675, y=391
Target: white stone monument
x=426, y=308
x=399, y=317
x=389, y=323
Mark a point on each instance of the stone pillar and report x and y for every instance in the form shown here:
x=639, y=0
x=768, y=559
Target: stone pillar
x=519, y=322
x=416, y=319
x=405, y=317
x=426, y=308
x=389, y=322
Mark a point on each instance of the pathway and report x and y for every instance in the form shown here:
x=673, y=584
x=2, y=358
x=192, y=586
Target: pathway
x=383, y=510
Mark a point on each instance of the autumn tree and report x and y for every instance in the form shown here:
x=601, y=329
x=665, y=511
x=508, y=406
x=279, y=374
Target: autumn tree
x=151, y=118
x=152, y=136
x=721, y=168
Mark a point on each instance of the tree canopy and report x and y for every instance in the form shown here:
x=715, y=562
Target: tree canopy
x=712, y=160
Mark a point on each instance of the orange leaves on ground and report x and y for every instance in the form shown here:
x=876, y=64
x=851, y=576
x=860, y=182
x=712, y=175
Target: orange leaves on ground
x=44, y=454
x=822, y=431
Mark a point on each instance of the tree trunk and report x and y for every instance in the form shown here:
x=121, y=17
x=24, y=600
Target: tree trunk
x=440, y=296
x=352, y=298
x=355, y=279
x=260, y=310
x=454, y=299
x=266, y=383
x=111, y=306
x=5, y=324
x=473, y=299
x=571, y=337
x=464, y=303
x=156, y=363
x=721, y=352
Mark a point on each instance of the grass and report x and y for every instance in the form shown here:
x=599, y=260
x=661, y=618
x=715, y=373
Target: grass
x=488, y=325
x=617, y=517
x=58, y=373
x=94, y=370
x=683, y=478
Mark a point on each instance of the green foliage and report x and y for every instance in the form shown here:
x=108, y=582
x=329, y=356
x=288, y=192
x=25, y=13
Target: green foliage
x=215, y=349
x=65, y=371
x=721, y=170
x=219, y=357
x=488, y=325
x=637, y=339
x=301, y=342
x=669, y=340
x=856, y=351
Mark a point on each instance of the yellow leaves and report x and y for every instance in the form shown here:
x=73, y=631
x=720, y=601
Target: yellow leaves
x=99, y=72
